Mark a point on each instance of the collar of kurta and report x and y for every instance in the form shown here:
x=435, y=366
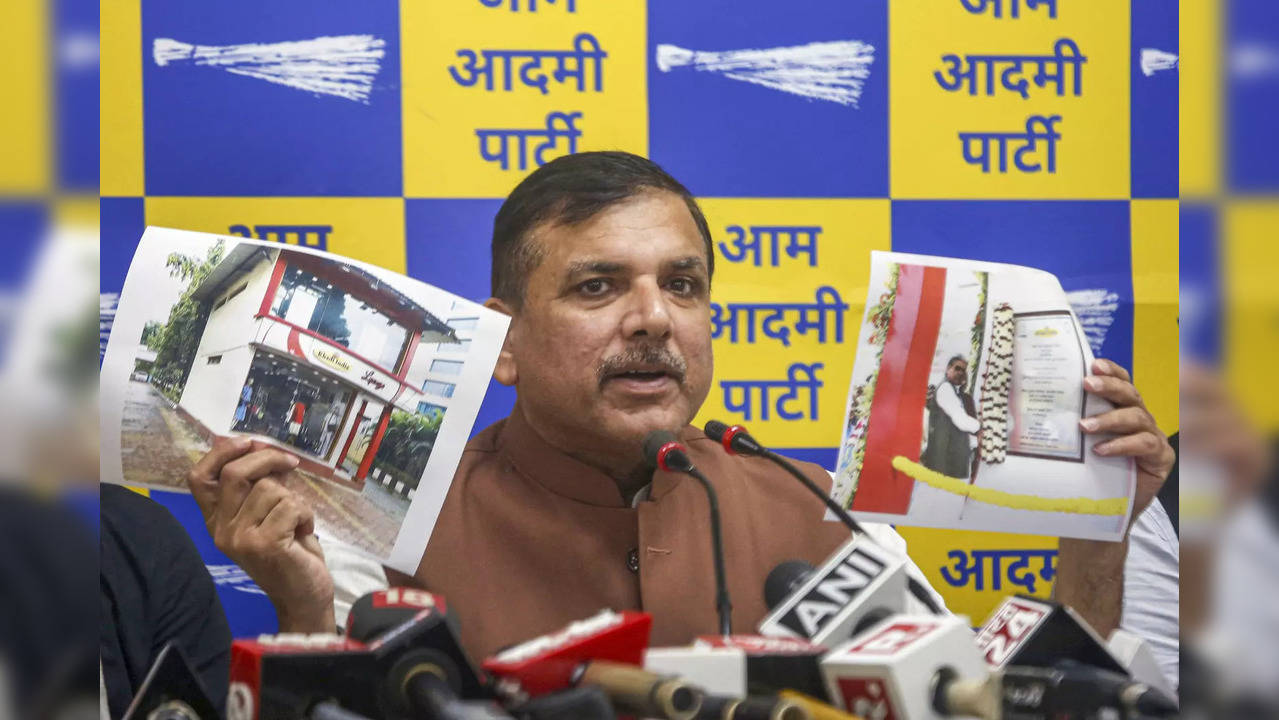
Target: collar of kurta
x=564, y=475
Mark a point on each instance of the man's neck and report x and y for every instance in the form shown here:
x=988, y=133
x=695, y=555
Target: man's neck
x=630, y=475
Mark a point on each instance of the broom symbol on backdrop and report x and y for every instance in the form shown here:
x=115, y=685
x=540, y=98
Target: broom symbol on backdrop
x=343, y=66
x=831, y=71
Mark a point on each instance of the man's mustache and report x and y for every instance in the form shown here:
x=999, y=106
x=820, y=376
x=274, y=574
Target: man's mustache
x=653, y=358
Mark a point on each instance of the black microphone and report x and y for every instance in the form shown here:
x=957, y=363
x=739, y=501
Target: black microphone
x=425, y=671
x=1064, y=692
x=662, y=450
x=736, y=441
x=171, y=691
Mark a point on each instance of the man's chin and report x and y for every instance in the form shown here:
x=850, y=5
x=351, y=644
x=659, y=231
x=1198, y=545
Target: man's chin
x=633, y=425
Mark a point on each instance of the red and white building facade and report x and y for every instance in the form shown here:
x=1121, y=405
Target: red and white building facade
x=322, y=353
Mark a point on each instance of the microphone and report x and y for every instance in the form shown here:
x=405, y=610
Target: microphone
x=736, y=441
x=604, y=650
x=290, y=676
x=662, y=450
x=582, y=703
x=1039, y=633
x=423, y=668
x=890, y=669
x=725, y=707
x=376, y=612
x=1062, y=693
x=858, y=585
x=171, y=691
x=773, y=664
x=1135, y=654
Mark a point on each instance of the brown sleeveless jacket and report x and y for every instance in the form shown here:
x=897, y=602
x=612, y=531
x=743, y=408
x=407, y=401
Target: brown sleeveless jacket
x=529, y=540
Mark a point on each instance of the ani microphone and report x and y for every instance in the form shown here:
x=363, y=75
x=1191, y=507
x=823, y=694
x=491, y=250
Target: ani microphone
x=663, y=451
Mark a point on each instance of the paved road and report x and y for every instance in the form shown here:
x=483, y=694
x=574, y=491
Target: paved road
x=158, y=447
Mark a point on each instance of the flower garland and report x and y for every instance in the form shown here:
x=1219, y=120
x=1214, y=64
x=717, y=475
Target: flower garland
x=996, y=385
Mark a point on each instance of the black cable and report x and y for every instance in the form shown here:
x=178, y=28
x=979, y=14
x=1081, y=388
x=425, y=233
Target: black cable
x=722, y=603
x=916, y=588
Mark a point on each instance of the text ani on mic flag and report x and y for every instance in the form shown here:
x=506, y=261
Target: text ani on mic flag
x=965, y=401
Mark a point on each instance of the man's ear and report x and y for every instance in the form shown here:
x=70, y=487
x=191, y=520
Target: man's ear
x=506, y=370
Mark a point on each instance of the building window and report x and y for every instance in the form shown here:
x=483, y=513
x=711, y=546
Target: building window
x=456, y=348
x=214, y=359
x=307, y=301
x=468, y=323
x=429, y=410
x=447, y=367
x=439, y=389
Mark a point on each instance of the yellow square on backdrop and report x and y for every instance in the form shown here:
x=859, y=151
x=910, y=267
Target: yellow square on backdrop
x=830, y=281
x=1155, y=346
x=928, y=156
x=368, y=229
x=1249, y=255
x=1200, y=97
x=26, y=161
x=442, y=152
x=120, y=155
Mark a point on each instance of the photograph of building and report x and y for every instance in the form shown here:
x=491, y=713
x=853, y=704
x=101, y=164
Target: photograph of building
x=322, y=353
x=322, y=358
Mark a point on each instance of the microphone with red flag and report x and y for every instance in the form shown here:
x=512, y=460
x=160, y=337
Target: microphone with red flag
x=737, y=441
x=605, y=650
x=664, y=452
x=287, y=676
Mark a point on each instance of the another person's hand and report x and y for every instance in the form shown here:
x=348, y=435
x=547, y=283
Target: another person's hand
x=1139, y=437
x=265, y=528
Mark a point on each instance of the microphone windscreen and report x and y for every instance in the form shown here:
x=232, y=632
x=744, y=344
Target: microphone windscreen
x=715, y=430
x=653, y=444
x=381, y=610
x=783, y=580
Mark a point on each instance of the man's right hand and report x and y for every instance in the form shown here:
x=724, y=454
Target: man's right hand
x=265, y=528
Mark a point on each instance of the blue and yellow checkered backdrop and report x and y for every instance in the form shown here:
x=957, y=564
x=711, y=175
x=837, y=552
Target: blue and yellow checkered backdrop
x=813, y=131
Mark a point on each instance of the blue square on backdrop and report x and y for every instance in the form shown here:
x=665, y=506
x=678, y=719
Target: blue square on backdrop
x=76, y=87
x=1155, y=96
x=1200, y=306
x=723, y=127
x=121, y=222
x=1086, y=244
x=448, y=246
x=211, y=130
x=1252, y=96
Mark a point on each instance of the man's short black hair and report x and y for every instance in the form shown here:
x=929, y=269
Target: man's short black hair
x=953, y=358
x=570, y=190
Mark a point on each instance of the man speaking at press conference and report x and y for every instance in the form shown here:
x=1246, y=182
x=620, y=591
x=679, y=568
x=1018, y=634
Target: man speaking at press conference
x=604, y=263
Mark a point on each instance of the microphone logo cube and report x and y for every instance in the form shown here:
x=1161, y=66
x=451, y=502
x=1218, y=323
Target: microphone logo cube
x=858, y=578
x=887, y=671
x=893, y=638
x=868, y=698
x=1009, y=627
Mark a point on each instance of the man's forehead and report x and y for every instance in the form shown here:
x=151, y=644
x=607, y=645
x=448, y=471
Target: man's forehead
x=591, y=263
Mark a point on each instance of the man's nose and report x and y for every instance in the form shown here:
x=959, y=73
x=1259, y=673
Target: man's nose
x=648, y=314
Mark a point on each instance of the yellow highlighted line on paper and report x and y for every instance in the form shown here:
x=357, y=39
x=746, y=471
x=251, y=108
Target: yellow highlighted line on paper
x=946, y=483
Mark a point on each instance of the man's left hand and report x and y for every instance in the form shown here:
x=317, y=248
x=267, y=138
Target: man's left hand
x=1139, y=437
x=1090, y=573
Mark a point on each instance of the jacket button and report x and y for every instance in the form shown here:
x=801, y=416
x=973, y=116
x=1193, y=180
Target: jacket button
x=632, y=560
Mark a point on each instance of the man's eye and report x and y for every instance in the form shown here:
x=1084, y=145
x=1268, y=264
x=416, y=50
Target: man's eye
x=683, y=286
x=598, y=286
